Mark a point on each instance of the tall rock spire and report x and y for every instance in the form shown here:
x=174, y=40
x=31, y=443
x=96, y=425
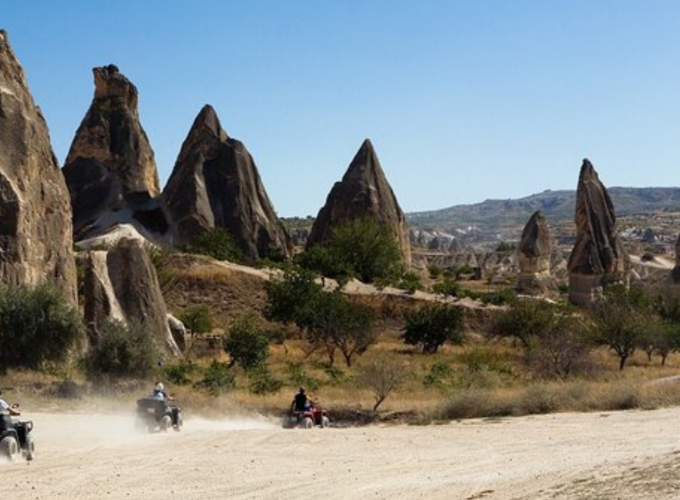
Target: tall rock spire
x=598, y=257
x=110, y=167
x=215, y=183
x=363, y=193
x=36, y=242
x=675, y=274
x=534, y=258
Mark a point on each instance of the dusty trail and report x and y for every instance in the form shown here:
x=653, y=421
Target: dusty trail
x=565, y=456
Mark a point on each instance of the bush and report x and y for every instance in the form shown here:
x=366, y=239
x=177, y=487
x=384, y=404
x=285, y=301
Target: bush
x=247, y=343
x=179, y=374
x=37, y=326
x=298, y=376
x=122, y=351
x=382, y=377
x=432, y=325
x=217, y=243
x=261, y=381
x=499, y=298
x=440, y=375
x=217, y=379
x=410, y=282
x=198, y=319
x=448, y=288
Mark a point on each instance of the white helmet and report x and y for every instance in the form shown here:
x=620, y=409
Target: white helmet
x=159, y=387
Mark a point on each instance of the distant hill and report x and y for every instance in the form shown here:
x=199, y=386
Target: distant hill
x=557, y=206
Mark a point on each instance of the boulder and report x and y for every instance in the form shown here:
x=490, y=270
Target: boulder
x=362, y=193
x=215, y=184
x=121, y=284
x=598, y=257
x=36, y=242
x=534, y=258
x=110, y=169
x=178, y=331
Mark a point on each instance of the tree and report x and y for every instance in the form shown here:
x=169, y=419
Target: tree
x=432, y=325
x=329, y=321
x=247, y=343
x=335, y=323
x=362, y=248
x=382, y=376
x=122, y=351
x=37, y=326
x=619, y=319
x=526, y=319
x=198, y=319
x=217, y=243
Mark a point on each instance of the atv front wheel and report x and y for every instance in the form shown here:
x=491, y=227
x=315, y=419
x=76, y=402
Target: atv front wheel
x=307, y=423
x=180, y=422
x=166, y=423
x=8, y=448
x=325, y=422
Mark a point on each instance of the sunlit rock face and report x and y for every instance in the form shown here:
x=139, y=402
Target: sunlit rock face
x=598, y=257
x=36, y=243
x=110, y=169
x=675, y=274
x=534, y=257
x=215, y=183
x=121, y=284
x=362, y=193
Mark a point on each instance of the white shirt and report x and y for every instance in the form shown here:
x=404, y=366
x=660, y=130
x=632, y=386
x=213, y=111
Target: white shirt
x=4, y=407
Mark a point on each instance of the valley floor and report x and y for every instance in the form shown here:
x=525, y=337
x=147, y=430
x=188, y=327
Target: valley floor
x=633, y=454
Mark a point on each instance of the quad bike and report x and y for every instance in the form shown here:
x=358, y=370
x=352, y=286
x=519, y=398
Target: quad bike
x=306, y=419
x=15, y=439
x=156, y=415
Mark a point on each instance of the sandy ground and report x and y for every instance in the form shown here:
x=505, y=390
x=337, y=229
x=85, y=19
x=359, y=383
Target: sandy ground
x=567, y=456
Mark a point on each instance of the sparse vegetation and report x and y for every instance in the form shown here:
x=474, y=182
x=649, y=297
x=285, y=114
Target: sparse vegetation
x=198, y=319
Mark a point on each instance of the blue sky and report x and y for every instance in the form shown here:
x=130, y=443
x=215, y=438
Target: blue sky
x=463, y=100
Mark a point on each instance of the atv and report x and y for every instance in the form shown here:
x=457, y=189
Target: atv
x=15, y=439
x=306, y=419
x=156, y=415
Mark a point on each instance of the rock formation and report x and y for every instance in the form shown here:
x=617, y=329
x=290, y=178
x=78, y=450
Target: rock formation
x=36, y=242
x=215, y=183
x=121, y=284
x=363, y=193
x=110, y=169
x=534, y=256
x=675, y=274
x=598, y=257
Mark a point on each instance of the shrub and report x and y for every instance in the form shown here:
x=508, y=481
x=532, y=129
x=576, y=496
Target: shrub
x=448, y=288
x=435, y=271
x=217, y=243
x=217, y=379
x=382, y=377
x=498, y=298
x=261, y=381
x=179, y=374
x=440, y=375
x=37, y=326
x=122, y=351
x=247, y=343
x=298, y=376
x=432, y=325
x=198, y=319
x=410, y=282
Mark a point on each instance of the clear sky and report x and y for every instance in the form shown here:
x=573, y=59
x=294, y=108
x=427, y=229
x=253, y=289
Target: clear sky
x=463, y=100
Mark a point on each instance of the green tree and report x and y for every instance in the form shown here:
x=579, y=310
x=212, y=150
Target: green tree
x=198, y=319
x=526, y=319
x=122, y=351
x=247, y=343
x=217, y=379
x=619, y=319
x=432, y=325
x=37, y=326
x=289, y=297
x=217, y=243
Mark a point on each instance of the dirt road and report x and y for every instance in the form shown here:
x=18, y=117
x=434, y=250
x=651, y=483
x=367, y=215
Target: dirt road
x=568, y=456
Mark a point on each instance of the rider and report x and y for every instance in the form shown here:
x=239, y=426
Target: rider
x=301, y=402
x=159, y=393
x=6, y=412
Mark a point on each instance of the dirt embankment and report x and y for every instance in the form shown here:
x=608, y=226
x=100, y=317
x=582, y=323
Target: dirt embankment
x=632, y=454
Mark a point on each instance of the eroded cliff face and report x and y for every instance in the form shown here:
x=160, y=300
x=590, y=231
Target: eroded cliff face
x=362, y=193
x=215, y=183
x=36, y=243
x=675, y=274
x=110, y=169
x=121, y=284
x=534, y=256
x=598, y=257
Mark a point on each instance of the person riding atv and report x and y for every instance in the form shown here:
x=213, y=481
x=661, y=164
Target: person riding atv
x=301, y=402
x=153, y=411
x=15, y=438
